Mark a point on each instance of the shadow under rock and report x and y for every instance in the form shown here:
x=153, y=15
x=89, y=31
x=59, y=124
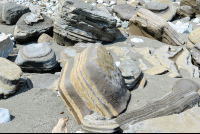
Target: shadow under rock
x=12, y=117
x=115, y=41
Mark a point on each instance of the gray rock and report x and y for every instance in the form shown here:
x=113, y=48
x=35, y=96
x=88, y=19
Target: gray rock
x=4, y=115
x=24, y=32
x=36, y=57
x=125, y=12
x=12, y=12
x=185, y=11
x=198, y=3
x=156, y=7
x=77, y=21
x=6, y=46
x=195, y=52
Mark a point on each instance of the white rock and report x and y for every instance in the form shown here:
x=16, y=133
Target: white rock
x=117, y=63
x=4, y=115
x=137, y=40
x=100, y=1
x=182, y=27
x=196, y=20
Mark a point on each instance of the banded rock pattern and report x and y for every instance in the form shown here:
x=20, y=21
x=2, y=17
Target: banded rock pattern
x=156, y=27
x=92, y=82
x=10, y=74
x=77, y=21
x=193, y=38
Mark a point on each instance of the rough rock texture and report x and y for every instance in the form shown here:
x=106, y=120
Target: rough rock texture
x=10, y=74
x=125, y=12
x=195, y=52
x=163, y=8
x=24, y=32
x=45, y=38
x=71, y=52
x=77, y=21
x=61, y=126
x=185, y=11
x=4, y=116
x=191, y=3
x=36, y=57
x=156, y=27
x=6, y=46
x=92, y=82
x=193, y=38
x=186, y=122
x=12, y=12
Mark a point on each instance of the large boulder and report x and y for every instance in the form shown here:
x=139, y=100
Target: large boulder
x=12, y=12
x=163, y=8
x=6, y=46
x=10, y=74
x=92, y=82
x=192, y=3
x=77, y=21
x=193, y=38
x=156, y=27
x=29, y=27
x=36, y=58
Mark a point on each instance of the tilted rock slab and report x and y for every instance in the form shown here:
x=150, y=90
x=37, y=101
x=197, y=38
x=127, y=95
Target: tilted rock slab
x=24, y=32
x=92, y=82
x=36, y=57
x=10, y=74
x=184, y=96
x=163, y=8
x=193, y=38
x=192, y=3
x=6, y=46
x=77, y=21
x=156, y=27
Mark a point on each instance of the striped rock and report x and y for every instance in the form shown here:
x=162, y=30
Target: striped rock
x=36, y=57
x=92, y=82
x=10, y=74
x=193, y=38
x=163, y=8
x=156, y=27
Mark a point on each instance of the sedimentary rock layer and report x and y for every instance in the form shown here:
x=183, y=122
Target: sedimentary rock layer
x=92, y=82
x=156, y=27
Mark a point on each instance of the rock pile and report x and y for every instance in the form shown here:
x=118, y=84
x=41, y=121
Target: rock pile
x=92, y=82
x=77, y=21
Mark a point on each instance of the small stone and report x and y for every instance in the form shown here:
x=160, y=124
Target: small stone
x=4, y=115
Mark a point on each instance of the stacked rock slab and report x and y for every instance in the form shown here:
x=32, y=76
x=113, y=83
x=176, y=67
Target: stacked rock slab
x=193, y=38
x=156, y=27
x=163, y=8
x=24, y=32
x=6, y=46
x=192, y=3
x=185, y=11
x=36, y=57
x=77, y=21
x=195, y=52
x=10, y=74
x=92, y=82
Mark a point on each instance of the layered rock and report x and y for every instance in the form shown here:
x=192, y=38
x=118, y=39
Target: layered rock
x=195, y=52
x=36, y=57
x=192, y=3
x=185, y=11
x=12, y=12
x=92, y=82
x=77, y=21
x=125, y=12
x=6, y=46
x=163, y=8
x=24, y=32
x=186, y=122
x=193, y=38
x=156, y=27
x=10, y=74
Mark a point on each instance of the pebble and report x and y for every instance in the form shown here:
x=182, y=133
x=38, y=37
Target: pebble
x=4, y=115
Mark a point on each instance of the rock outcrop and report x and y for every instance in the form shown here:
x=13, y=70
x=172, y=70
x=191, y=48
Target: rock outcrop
x=77, y=21
x=92, y=82
x=156, y=27
x=6, y=46
x=36, y=57
x=24, y=32
x=10, y=75
x=193, y=38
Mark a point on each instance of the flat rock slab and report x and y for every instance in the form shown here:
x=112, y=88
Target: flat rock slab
x=4, y=116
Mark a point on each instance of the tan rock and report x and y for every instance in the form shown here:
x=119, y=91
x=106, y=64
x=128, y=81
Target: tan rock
x=193, y=38
x=121, y=2
x=61, y=126
x=156, y=70
x=142, y=83
x=45, y=38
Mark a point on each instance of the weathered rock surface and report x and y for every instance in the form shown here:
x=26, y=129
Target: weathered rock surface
x=185, y=11
x=24, y=32
x=4, y=115
x=163, y=8
x=6, y=46
x=12, y=12
x=77, y=21
x=193, y=38
x=36, y=57
x=71, y=52
x=192, y=3
x=10, y=74
x=156, y=27
x=125, y=12
x=92, y=82
x=186, y=122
